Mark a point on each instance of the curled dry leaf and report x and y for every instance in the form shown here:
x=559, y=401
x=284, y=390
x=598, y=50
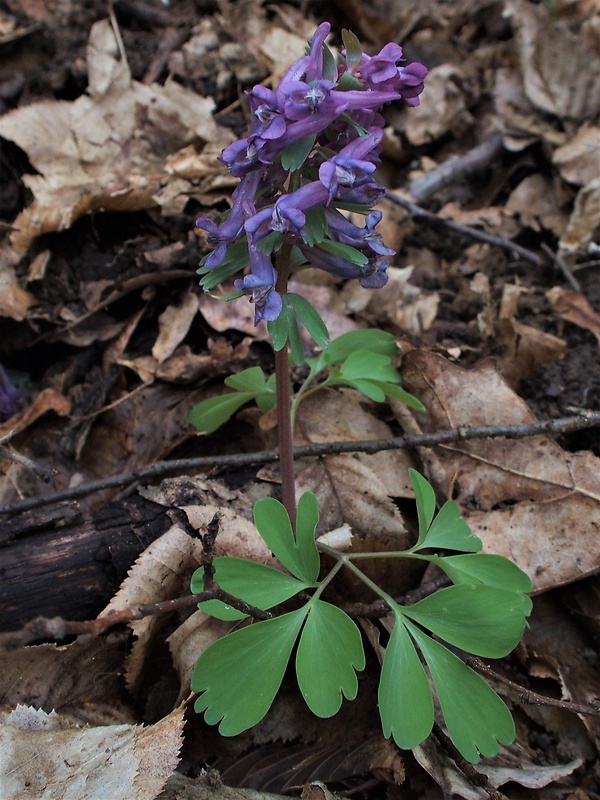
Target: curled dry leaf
x=585, y=218
x=107, y=150
x=527, y=499
x=575, y=308
x=45, y=756
x=578, y=159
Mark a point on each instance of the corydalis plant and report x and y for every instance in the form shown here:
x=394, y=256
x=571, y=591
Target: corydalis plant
x=310, y=154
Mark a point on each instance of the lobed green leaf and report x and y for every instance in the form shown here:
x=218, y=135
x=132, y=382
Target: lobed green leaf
x=236, y=259
x=405, y=701
x=257, y=584
x=239, y=675
x=299, y=556
x=372, y=340
x=344, y=251
x=487, y=568
x=476, y=718
x=425, y=499
x=248, y=380
x=329, y=653
x=479, y=619
x=294, y=155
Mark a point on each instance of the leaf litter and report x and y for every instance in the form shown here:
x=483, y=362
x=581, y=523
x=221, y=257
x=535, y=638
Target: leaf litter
x=101, y=259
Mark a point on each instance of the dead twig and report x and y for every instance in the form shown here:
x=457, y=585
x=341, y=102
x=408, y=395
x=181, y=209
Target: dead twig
x=527, y=697
x=457, y=168
x=585, y=419
x=473, y=233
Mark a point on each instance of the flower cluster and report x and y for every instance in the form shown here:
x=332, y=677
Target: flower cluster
x=310, y=154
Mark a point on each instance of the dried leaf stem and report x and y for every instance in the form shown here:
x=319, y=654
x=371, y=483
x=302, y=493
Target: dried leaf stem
x=582, y=420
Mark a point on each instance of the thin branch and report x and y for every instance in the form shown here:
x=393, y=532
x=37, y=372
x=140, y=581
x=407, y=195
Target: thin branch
x=585, y=419
x=465, y=230
x=526, y=696
x=457, y=168
x=478, y=779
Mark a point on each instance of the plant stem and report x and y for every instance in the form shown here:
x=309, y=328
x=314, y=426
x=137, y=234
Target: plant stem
x=284, y=419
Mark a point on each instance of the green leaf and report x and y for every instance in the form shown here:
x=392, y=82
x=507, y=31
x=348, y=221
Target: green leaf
x=294, y=337
x=398, y=393
x=307, y=519
x=371, y=339
x=267, y=400
x=368, y=388
x=487, y=568
x=236, y=259
x=344, y=251
x=476, y=718
x=329, y=65
x=480, y=619
x=240, y=674
x=425, y=499
x=347, y=81
x=369, y=365
x=210, y=414
x=310, y=318
x=294, y=155
x=278, y=331
x=272, y=241
x=316, y=226
x=353, y=48
x=451, y=532
x=329, y=653
x=273, y=523
x=257, y=584
x=405, y=701
x=248, y=380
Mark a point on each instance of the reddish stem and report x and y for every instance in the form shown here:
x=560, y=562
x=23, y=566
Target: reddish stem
x=284, y=417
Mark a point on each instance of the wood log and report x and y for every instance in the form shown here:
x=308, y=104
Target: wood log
x=56, y=563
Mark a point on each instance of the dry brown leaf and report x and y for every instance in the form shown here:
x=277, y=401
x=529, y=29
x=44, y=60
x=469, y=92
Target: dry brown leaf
x=575, y=308
x=585, y=218
x=561, y=74
x=174, y=324
x=46, y=400
x=534, y=200
x=579, y=159
x=81, y=681
x=45, y=757
x=107, y=150
x=356, y=488
x=536, y=504
x=442, y=110
x=525, y=349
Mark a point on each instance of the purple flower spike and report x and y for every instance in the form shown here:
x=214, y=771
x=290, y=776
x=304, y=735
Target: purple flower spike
x=260, y=285
x=305, y=99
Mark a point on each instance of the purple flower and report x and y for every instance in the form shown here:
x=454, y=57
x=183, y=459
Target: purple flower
x=303, y=99
x=349, y=167
x=343, y=231
x=268, y=121
x=381, y=73
x=370, y=275
x=287, y=215
x=260, y=285
x=9, y=397
x=219, y=236
x=310, y=67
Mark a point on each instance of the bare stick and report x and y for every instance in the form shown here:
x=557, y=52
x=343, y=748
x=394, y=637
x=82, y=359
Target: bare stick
x=586, y=419
x=457, y=168
x=466, y=230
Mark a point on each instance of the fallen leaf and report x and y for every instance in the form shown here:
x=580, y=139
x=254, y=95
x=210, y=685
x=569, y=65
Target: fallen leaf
x=174, y=324
x=578, y=159
x=44, y=756
x=575, y=308
x=561, y=74
x=584, y=219
x=526, y=499
x=525, y=349
x=106, y=150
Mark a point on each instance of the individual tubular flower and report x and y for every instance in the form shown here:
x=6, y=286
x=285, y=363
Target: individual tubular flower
x=350, y=166
x=371, y=275
x=381, y=72
x=260, y=285
x=343, y=231
x=288, y=213
x=219, y=236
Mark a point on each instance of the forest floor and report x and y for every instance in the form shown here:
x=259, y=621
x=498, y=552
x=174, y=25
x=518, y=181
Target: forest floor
x=112, y=115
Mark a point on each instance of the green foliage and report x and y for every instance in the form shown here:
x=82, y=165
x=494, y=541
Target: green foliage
x=484, y=612
x=361, y=359
x=250, y=384
x=294, y=155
